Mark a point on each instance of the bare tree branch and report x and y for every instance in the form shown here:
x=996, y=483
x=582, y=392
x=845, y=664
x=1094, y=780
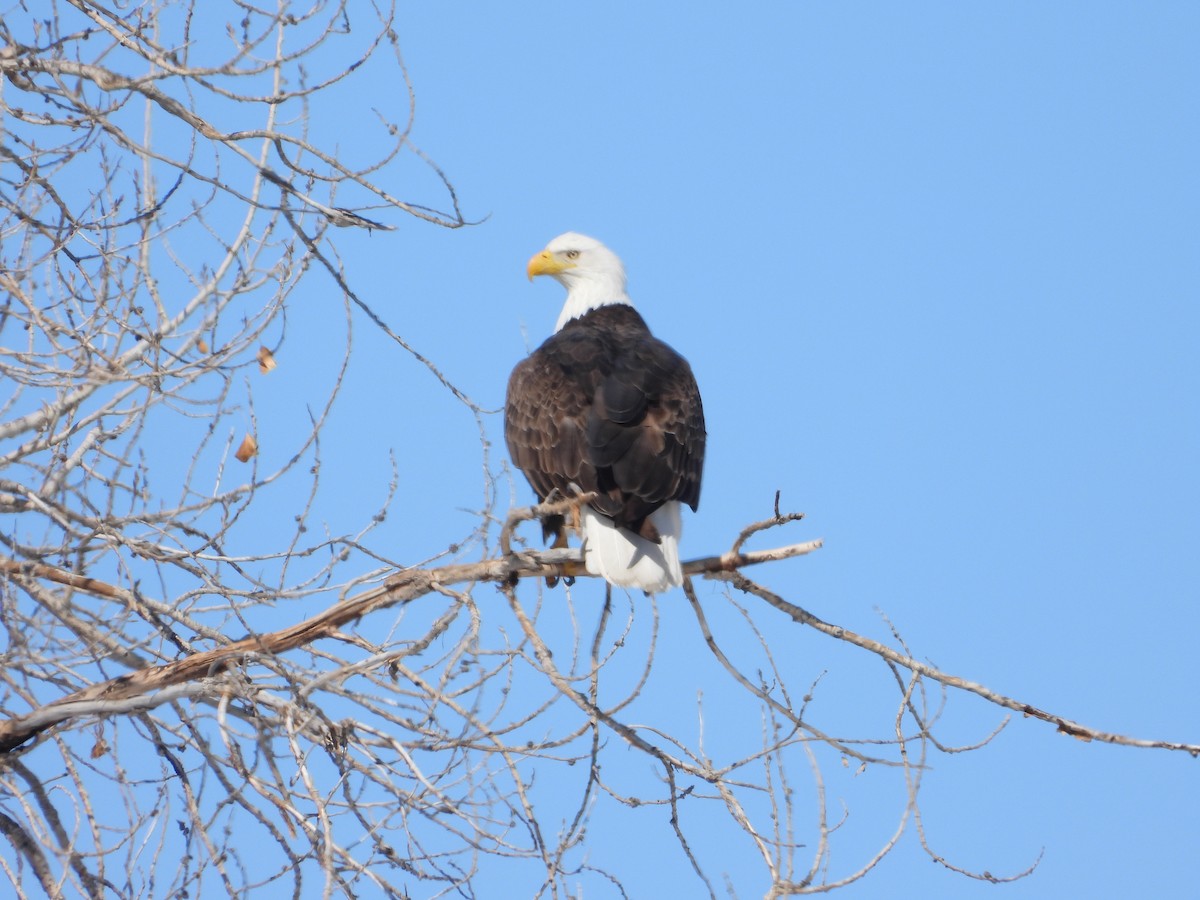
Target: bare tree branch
x=1062, y=724
x=172, y=196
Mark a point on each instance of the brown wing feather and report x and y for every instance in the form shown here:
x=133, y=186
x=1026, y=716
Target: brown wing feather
x=605, y=406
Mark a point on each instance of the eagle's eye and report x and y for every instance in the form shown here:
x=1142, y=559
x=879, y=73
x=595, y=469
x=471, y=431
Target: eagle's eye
x=572, y=254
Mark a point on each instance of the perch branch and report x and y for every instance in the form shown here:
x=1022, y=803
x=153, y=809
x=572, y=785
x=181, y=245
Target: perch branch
x=1064, y=725
x=113, y=696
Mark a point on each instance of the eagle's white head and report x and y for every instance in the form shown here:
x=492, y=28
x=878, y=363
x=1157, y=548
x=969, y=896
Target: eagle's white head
x=591, y=273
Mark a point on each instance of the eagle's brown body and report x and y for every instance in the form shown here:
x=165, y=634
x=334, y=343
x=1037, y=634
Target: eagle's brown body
x=603, y=406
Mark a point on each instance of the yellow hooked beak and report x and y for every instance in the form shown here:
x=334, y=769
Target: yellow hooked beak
x=546, y=263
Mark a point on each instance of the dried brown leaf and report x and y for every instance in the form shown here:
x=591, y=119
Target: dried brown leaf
x=266, y=360
x=248, y=449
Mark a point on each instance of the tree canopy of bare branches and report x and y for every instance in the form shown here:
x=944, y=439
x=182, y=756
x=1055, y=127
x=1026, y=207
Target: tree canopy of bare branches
x=198, y=698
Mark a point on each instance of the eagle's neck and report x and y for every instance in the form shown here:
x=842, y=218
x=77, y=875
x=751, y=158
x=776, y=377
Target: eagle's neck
x=584, y=296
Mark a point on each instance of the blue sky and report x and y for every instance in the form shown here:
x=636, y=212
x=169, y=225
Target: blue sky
x=935, y=266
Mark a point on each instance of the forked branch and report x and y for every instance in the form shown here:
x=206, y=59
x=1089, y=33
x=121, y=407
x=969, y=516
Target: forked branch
x=146, y=687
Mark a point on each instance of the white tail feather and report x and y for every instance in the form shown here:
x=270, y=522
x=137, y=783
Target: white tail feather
x=623, y=558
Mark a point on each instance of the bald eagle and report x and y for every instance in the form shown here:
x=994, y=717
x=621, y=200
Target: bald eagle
x=603, y=406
